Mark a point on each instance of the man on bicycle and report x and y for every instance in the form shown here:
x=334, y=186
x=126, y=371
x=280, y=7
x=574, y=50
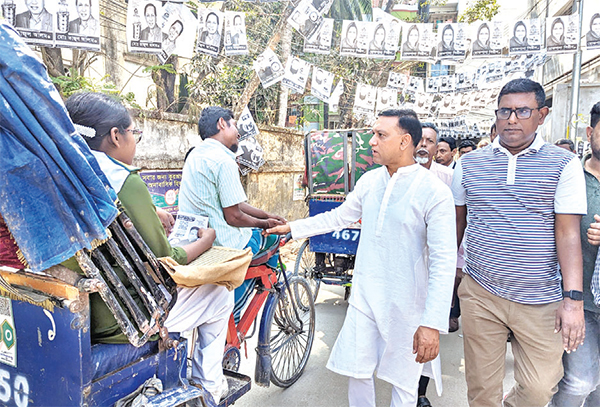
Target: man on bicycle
x=211, y=187
x=404, y=271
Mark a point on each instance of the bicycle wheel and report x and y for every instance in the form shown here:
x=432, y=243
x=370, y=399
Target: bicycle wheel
x=305, y=267
x=292, y=324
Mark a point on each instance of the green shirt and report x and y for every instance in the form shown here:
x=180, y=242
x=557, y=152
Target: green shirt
x=139, y=208
x=592, y=186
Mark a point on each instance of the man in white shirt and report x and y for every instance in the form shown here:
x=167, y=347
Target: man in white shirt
x=404, y=271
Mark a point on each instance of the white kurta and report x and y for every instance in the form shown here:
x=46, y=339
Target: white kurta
x=404, y=270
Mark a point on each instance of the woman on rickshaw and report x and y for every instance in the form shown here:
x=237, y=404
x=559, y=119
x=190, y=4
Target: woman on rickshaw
x=109, y=131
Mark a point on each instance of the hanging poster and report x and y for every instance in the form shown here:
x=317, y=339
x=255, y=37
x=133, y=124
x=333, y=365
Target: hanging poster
x=415, y=85
x=321, y=84
x=322, y=6
x=562, y=34
x=397, y=80
x=349, y=37
x=452, y=41
x=306, y=19
x=418, y=42
x=592, y=38
x=180, y=27
x=487, y=40
x=246, y=125
x=296, y=74
x=422, y=104
x=143, y=31
x=268, y=68
x=462, y=102
x=387, y=98
x=466, y=81
x=526, y=37
x=236, y=42
x=249, y=154
x=78, y=24
x=32, y=20
x=334, y=100
x=322, y=41
x=364, y=100
x=377, y=43
x=432, y=84
x=393, y=28
x=210, y=27
x=447, y=83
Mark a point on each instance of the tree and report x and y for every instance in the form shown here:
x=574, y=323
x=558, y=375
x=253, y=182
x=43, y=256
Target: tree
x=480, y=10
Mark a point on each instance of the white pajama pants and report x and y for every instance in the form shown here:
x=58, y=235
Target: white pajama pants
x=361, y=393
x=206, y=308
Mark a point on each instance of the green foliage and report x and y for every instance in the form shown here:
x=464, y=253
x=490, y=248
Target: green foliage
x=72, y=83
x=351, y=9
x=481, y=10
x=155, y=68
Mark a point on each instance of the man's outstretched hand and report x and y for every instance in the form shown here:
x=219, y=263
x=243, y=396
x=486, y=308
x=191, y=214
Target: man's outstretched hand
x=279, y=230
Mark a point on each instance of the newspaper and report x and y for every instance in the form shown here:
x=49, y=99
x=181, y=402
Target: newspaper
x=186, y=228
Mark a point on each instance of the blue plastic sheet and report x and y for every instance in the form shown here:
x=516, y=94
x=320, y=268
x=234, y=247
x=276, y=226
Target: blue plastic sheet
x=53, y=195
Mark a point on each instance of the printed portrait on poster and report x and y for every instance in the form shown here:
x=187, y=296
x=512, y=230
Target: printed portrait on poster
x=487, y=40
x=32, y=20
x=268, y=68
x=387, y=98
x=526, y=37
x=562, y=34
x=592, y=38
x=321, y=84
x=306, y=19
x=236, y=42
x=180, y=26
x=296, y=74
x=210, y=27
x=321, y=43
x=364, y=100
x=246, y=125
x=143, y=31
x=349, y=38
x=83, y=28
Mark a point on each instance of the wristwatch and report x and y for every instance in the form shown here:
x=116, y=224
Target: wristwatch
x=574, y=295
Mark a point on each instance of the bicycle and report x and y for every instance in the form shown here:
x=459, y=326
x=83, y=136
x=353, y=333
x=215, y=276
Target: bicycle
x=287, y=325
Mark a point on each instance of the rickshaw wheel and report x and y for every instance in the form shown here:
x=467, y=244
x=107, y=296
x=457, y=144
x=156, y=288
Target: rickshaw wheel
x=305, y=267
x=292, y=324
x=231, y=358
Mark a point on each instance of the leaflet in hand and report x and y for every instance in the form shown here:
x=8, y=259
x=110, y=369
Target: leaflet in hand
x=186, y=228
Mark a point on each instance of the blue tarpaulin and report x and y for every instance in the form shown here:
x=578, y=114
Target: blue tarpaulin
x=53, y=195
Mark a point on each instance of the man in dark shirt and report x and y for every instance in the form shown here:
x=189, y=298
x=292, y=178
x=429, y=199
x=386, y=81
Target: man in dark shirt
x=582, y=370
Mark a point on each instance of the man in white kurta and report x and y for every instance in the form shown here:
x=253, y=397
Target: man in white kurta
x=404, y=270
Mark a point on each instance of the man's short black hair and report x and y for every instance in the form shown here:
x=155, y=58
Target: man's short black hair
x=429, y=125
x=564, y=141
x=595, y=115
x=451, y=142
x=493, y=128
x=407, y=121
x=207, y=123
x=523, y=85
x=467, y=143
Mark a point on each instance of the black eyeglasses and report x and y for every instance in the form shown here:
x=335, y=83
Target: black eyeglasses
x=522, y=112
x=137, y=133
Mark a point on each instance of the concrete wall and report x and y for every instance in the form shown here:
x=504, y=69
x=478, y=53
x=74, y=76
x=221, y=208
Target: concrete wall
x=589, y=94
x=167, y=137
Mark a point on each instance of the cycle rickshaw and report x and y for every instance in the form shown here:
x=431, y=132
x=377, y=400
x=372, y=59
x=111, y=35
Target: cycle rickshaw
x=52, y=193
x=334, y=160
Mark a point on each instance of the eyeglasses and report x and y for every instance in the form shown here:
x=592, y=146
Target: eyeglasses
x=137, y=133
x=522, y=112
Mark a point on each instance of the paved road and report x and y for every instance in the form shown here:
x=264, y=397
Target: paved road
x=320, y=387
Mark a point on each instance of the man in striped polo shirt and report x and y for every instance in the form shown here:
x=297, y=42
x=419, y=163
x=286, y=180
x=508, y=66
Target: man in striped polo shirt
x=521, y=202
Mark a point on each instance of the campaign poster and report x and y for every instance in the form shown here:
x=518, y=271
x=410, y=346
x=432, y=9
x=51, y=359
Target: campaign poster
x=143, y=30
x=163, y=186
x=296, y=74
x=377, y=42
x=364, y=100
x=246, y=125
x=393, y=29
x=321, y=84
x=526, y=37
x=321, y=43
x=446, y=107
x=432, y=84
x=236, y=42
x=562, y=34
x=268, y=68
x=250, y=154
x=592, y=37
x=210, y=27
x=418, y=42
x=462, y=103
x=397, y=80
x=387, y=98
x=334, y=99
x=415, y=85
x=487, y=39
x=33, y=20
x=452, y=41
x=447, y=83
x=422, y=104
x=180, y=26
x=322, y=6
x=78, y=24
x=306, y=19
x=466, y=81
x=349, y=38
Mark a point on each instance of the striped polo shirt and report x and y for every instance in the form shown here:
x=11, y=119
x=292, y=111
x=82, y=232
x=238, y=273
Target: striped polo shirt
x=511, y=204
x=211, y=182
